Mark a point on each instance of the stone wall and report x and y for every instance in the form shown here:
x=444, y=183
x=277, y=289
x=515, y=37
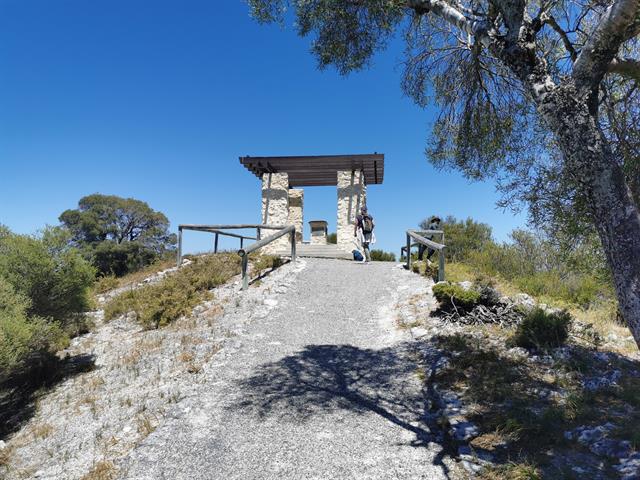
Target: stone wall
x=275, y=208
x=352, y=194
x=296, y=211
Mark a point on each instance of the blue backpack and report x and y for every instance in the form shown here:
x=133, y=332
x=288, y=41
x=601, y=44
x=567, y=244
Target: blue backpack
x=357, y=256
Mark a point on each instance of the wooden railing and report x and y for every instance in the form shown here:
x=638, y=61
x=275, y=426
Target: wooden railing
x=416, y=238
x=218, y=230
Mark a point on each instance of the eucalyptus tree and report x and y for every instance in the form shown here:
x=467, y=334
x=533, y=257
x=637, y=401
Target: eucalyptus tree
x=540, y=94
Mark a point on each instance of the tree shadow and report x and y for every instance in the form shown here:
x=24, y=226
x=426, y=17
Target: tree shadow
x=19, y=393
x=323, y=379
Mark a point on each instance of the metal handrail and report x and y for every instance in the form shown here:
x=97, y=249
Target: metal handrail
x=243, y=252
x=418, y=239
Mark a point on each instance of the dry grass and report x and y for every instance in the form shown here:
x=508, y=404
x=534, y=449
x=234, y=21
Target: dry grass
x=512, y=471
x=131, y=358
x=103, y=470
x=602, y=315
x=110, y=282
x=5, y=457
x=146, y=425
x=176, y=295
x=185, y=357
x=42, y=430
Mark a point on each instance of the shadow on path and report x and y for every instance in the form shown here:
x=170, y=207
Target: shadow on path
x=328, y=378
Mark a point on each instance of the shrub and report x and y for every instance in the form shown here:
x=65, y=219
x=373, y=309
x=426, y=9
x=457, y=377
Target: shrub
x=382, y=256
x=265, y=262
x=543, y=330
x=21, y=335
x=159, y=304
x=54, y=277
x=105, y=284
x=451, y=295
x=118, y=259
x=332, y=238
x=462, y=236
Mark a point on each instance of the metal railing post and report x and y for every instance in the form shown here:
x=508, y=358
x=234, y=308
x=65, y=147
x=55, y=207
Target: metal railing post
x=245, y=273
x=215, y=244
x=179, y=261
x=241, y=242
x=293, y=245
x=408, y=252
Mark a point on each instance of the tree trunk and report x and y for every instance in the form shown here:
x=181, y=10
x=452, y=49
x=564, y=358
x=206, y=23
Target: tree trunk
x=600, y=179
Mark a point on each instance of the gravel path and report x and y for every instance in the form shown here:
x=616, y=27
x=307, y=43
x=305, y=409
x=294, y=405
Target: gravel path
x=323, y=386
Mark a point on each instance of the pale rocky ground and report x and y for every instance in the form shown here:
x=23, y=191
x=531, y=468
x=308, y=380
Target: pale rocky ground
x=139, y=377
x=318, y=371
x=306, y=375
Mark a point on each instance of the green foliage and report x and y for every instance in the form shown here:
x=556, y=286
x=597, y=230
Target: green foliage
x=543, y=330
x=346, y=34
x=332, y=238
x=176, y=295
x=15, y=330
x=535, y=264
x=119, y=235
x=20, y=334
x=451, y=295
x=53, y=276
x=265, y=262
x=382, y=256
x=462, y=237
x=121, y=258
x=425, y=268
x=105, y=284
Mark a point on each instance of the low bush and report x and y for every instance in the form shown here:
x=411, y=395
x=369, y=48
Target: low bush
x=111, y=258
x=20, y=334
x=159, y=304
x=261, y=263
x=55, y=281
x=53, y=276
x=543, y=330
x=105, y=284
x=382, y=256
x=451, y=295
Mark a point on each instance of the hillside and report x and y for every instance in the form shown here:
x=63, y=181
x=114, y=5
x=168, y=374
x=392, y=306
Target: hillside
x=324, y=367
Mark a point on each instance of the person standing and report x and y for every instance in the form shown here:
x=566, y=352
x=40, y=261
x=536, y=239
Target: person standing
x=434, y=224
x=364, y=224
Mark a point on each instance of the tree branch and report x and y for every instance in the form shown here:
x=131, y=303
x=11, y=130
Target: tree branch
x=603, y=44
x=549, y=20
x=513, y=13
x=626, y=67
x=455, y=17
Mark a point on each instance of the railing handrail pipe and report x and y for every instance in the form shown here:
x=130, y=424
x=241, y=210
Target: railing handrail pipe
x=419, y=239
x=243, y=252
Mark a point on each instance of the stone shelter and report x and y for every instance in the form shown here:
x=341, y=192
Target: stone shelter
x=283, y=179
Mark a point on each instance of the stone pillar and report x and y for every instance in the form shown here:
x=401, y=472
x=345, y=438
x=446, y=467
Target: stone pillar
x=352, y=194
x=318, y=232
x=296, y=209
x=275, y=208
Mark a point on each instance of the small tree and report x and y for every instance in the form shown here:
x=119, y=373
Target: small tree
x=118, y=234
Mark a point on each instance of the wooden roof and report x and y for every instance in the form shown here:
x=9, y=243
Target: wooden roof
x=318, y=170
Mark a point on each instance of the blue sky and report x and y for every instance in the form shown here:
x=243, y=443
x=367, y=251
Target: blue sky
x=156, y=100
